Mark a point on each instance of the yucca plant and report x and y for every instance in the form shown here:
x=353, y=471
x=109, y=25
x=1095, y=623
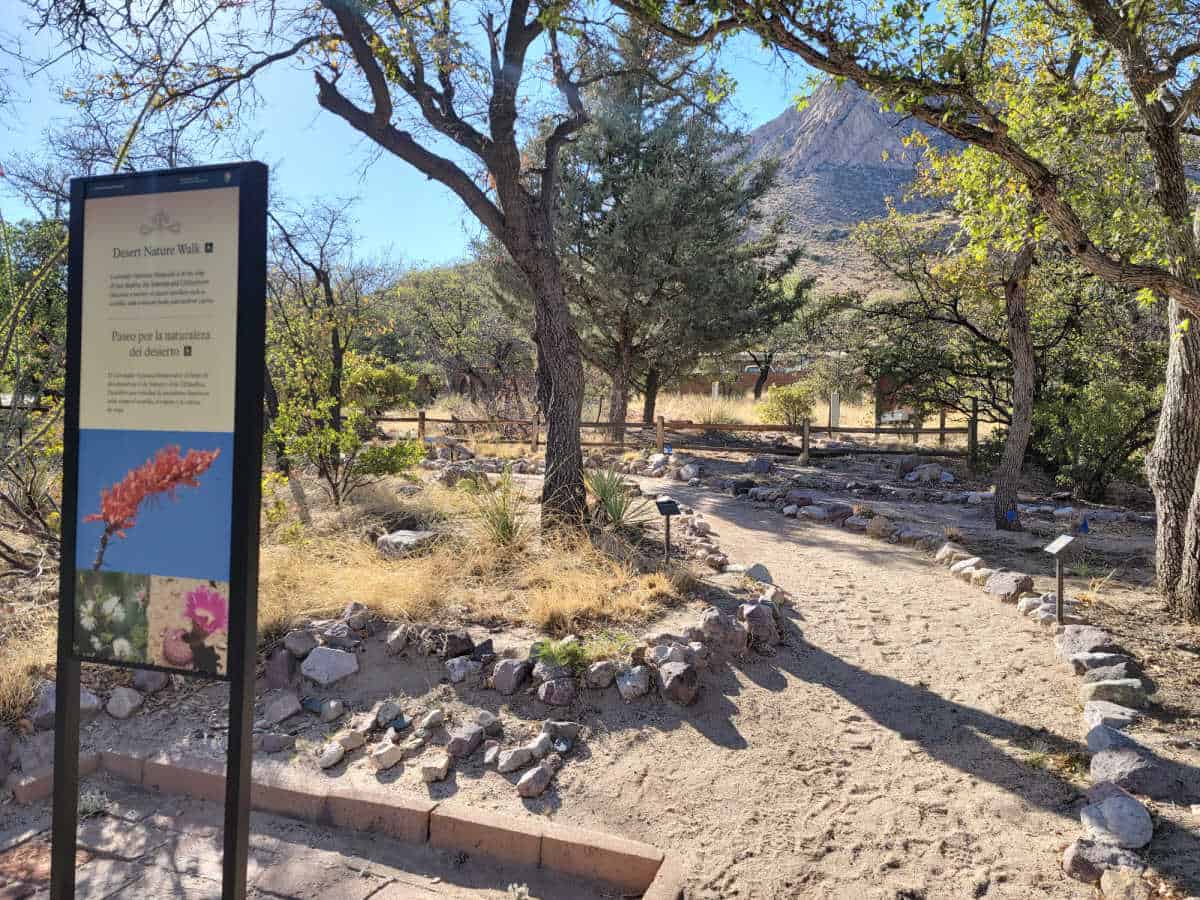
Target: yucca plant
x=501, y=513
x=616, y=505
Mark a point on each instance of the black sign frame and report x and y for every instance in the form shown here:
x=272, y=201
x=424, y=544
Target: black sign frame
x=251, y=180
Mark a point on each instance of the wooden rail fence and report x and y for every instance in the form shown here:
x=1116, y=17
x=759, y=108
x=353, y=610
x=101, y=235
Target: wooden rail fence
x=533, y=428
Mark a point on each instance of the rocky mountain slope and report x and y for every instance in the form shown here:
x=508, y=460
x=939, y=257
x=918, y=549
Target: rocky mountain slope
x=841, y=158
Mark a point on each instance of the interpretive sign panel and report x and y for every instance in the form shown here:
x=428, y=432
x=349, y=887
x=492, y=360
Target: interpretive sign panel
x=162, y=452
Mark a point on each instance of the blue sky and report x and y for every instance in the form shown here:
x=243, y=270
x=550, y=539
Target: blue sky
x=314, y=155
x=188, y=537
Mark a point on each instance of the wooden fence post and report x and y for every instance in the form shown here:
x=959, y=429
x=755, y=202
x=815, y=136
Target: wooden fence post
x=537, y=428
x=804, y=443
x=421, y=426
x=917, y=423
x=660, y=433
x=942, y=428
x=973, y=434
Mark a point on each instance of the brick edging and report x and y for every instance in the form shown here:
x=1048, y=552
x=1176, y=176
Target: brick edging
x=451, y=824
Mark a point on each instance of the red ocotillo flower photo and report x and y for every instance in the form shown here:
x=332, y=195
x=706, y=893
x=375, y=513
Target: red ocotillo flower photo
x=163, y=474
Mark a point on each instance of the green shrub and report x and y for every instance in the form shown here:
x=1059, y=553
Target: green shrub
x=616, y=505
x=788, y=404
x=567, y=653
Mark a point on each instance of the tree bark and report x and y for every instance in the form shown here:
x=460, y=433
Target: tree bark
x=651, y=396
x=618, y=402
x=764, y=372
x=1008, y=473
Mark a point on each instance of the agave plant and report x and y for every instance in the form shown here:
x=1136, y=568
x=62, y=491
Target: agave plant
x=616, y=505
x=501, y=513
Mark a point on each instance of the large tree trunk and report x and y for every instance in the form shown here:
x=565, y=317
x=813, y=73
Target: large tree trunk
x=651, y=397
x=283, y=462
x=1008, y=473
x=764, y=372
x=559, y=387
x=1173, y=465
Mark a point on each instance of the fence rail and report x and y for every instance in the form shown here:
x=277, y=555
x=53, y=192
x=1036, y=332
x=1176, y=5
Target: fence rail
x=661, y=425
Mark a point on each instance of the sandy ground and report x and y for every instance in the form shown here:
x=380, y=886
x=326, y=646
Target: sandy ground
x=910, y=739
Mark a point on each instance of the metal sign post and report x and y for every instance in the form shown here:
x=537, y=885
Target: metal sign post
x=1059, y=548
x=162, y=459
x=667, y=508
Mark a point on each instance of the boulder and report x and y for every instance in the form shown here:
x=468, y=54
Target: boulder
x=282, y=705
x=42, y=715
x=331, y=711
x=1087, y=861
x=1076, y=639
x=679, y=682
x=456, y=643
x=633, y=682
x=562, y=731
x=89, y=705
x=331, y=754
x=600, y=674
x=398, y=639
x=514, y=759
x=465, y=741
x=509, y=675
x=1008, y=586
x=1025, y=605
x=1084, y=662
x=147, y=681
x=558, y=691
x=790, y=510
x=489, y=722
x=798, y=498
x=1123, y=692
x=856, y=523
x=534, y=782
x=759, y=619
x=300, y=643
x=1138, y=771
x=386, y=755
x=404, y=542
x=434, y=766
x=123, y=702
x=387, y=712
x=950, y=553
x=1101, y=712
x=357, y=616
x=1102, y=737
x=491, y=752
x=433, y=719
x=1122, y=671
x=462, y=667
x=327, y=666
x=723, y=633
x=1118, y=819
x=690, y=471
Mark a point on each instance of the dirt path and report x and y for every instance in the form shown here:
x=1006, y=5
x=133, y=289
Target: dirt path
x=878, y=754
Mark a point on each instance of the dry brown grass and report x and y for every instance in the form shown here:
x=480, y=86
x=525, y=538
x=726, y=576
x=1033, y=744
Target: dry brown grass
x=27, y=654
x=556, y=586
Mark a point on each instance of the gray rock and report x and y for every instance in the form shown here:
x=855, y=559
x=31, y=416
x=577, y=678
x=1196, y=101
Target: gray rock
x=331, y=754
x=386, y=755
x=698, y=654
x=600, y=674
x=340, y=636
x=456, y=643
x=1124, y=692
x=562, y=731
x=534, y=782
x=1087, y=860
x=679, y=682
x=1117, y=672
x=509, y=675
x=1082, y=663
x=723, y=633
x=123, y=702
x=690, y=471
x=435, y=718
x=514, y=759
x=147, y=681
x=1101, y=712
x=1104, y=738
x=387, y=712
x=1118, y=819
x=350, y=740
x=283, y=705
x=300, y=643
x=281, y=669
x=462, y=667
x=491, y=753
x=760, y=465
x=759, y=619
x=544, y=670
x=1008, y=586
x=43, y=707
x=327, y=666
x=398, y=639
x=1138, y=771
x=277, y=742
x=465, y=741
x=489, y=722
x=558, y=692
x=434, y=766
x=1076, y=639
x=357, y=616
x=1124, y=884
x=331, y=711
x=950, y=553
x=404, y=542
x=856, y=523
x=759, y=573
x=633, y=683
x=798, y=499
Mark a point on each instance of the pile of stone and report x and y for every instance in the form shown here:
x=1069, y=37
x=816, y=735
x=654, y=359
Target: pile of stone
x=122, y=702
x=541, y=757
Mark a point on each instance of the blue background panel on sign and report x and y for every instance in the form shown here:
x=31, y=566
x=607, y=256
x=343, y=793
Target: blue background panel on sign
x=187, y=536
